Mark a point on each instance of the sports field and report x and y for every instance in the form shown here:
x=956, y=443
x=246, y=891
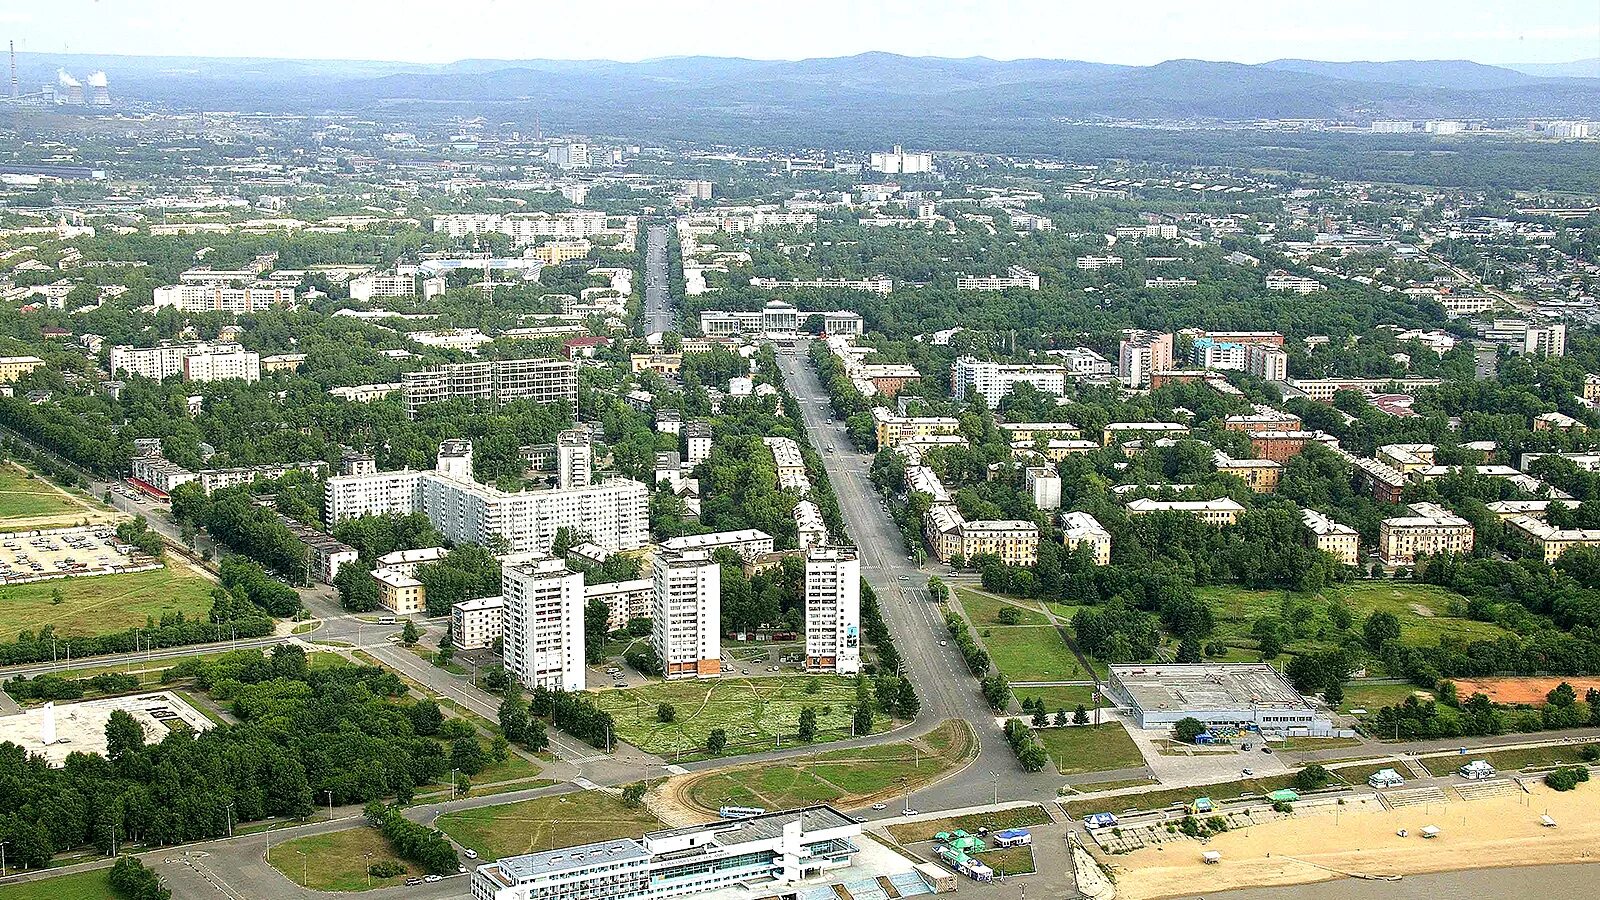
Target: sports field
x=753, y=711
x=100, y=604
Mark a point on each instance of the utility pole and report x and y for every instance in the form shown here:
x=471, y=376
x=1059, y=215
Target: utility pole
x=330, y=805
x=3, y=858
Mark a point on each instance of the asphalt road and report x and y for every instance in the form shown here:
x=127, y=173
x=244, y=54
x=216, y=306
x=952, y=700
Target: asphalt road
x=947, y=689
x=658, y=313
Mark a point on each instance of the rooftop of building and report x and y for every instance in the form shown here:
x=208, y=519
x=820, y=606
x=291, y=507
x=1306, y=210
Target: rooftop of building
x=1207, y=686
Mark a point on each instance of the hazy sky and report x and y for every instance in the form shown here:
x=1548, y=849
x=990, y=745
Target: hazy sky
x=1132, y=31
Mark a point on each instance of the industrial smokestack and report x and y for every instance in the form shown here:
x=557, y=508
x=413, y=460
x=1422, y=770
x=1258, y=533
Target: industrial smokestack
x=13, y=70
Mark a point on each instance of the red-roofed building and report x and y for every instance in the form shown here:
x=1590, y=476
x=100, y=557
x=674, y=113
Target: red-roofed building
x=583, y=346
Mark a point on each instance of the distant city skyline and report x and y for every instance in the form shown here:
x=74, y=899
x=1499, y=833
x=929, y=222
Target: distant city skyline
x=1247, y=31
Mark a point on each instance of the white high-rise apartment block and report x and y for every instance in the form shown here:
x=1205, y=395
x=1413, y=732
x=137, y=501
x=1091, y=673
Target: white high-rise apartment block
x=568, y=156
x=899, y=162
x=833, y=610
x=378, y=285
x=993, y=381
x=686, y=614
x=543, y=635
x=1269, y=363
x=613, y=513
x=1045, y=485
x=160, y=362
x=1015, y=277
x=221, y=298
x=574, y=459
x=235, y=364
x=523, y=228
x=496, y=381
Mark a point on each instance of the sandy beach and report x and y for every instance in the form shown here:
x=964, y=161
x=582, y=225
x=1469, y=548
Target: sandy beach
x=1497, y=832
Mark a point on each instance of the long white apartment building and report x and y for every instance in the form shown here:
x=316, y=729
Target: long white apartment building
x=523, y=228
x=542, y=380
x=1015, y=277
x=613, y=513
x=993, y=381
x=880, y=284
x=1141, y=354
x=686, y=613
x=1081, y=528
x=221, y=298
x=1084, y=361
x=476, y=624
x=1280, y=280
x=776, y=320
x=544, y=637
x=1219, y=512
x=749, y=543
x=737, y=220
x=833, y=610
x=381, y=284
x=1091, y=263
x=215, y=361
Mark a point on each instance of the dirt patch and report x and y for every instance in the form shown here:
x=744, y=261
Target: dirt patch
x=1520, y=690
x=1422, y=611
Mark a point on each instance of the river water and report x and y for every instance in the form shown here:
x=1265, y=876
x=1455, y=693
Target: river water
x=1571, y=882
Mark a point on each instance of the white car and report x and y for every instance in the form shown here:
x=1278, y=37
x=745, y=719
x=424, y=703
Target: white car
x=880, y=806
x=432, y=878
x=470, y=854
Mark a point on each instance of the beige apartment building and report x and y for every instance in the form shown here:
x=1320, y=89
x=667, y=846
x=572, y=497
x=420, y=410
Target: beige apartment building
x=1219, y=512
x=1081, y=528
x=399, y=593
x=893, y=430
x=1332, y=537
x=1429, y=529
x=1553, y=541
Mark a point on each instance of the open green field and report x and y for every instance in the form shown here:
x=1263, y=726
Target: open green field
x=1510, y=760
x=1149, y=800
x=1090, y=748
x=845, y=777
x=100, y=604
x=999, y=820
x=1031, y=653
x=1376, y=696
x=1423, y=611
x=95, y=885
x=545, y=823
x=27, y=497
x=1063, y=697
x=753, y=711
x=984, y=609
x=337, y=861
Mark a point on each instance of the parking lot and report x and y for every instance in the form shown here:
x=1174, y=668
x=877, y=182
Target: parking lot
x=67, y=552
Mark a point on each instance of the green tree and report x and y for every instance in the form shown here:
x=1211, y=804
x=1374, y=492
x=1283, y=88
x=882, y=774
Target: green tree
x=862, y=719
x=717, y=741
x=1380, y=628
x=808, y=724
x=633, y=794
x=666, y=712
x=1312, y=778
x=1187, y=729
x=1080, y=716
x=410, y=634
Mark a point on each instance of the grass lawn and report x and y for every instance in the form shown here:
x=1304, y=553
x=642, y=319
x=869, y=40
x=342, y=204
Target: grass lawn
x=95, y=885
x=845, y=777
x=1151, y=800
x=1423, y=611
x=1511, y=760
x=337, y=861
x=23, y=496
x=1359, y=773
x=984, y=609
x=1031, y=653
x=1068, y=697
x=545, y=823
x=1020, y=817
x=1009, y=860
x=1376, y=696
x=1090, y=748
x=753, y=711
x=100, y=604
x=1119, y=784
x=517, y=768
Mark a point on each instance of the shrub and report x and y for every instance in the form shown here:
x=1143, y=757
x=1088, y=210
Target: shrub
x=387, y=868
x=1567, y=778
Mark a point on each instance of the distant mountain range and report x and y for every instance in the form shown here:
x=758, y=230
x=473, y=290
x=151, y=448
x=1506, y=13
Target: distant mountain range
x=861, y=93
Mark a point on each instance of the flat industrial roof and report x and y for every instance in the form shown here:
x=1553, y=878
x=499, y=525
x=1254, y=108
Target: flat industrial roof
x=761, y=827
x=1207, y=686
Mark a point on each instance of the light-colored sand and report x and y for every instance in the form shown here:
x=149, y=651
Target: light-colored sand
x=1520, y=690
x=1494, y=833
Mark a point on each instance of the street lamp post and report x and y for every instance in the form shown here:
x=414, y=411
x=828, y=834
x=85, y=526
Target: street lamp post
x=330, y=805
x=368, y=857
x=305, y=869
x=996, y=776
x=3, y=858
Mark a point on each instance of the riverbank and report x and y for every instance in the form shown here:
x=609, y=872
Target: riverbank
x=1326, y=845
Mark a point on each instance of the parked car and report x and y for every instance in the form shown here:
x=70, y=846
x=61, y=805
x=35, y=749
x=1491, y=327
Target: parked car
x=880, y=806
x=470, y=854
x=432, y=878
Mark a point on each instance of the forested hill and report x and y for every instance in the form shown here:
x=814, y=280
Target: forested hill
x=592, y=95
